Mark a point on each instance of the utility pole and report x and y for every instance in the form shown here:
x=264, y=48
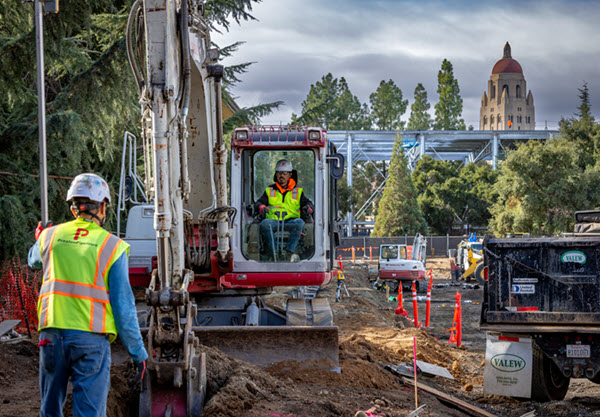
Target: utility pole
x=39, y=42
x=51, y=6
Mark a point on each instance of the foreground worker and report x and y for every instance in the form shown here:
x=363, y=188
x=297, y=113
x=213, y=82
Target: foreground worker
x=84, y=301
x=283, y=200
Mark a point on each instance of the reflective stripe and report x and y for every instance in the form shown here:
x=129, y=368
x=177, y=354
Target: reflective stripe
x=48, y=239
x=44, y=313
x=98, y=315
x=288, y=205
x=74, y=289
x=107, y=251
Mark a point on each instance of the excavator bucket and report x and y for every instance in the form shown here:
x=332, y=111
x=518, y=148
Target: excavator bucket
x=267, y=345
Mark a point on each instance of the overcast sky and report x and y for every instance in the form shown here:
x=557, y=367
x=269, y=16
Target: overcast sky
x=295, y=42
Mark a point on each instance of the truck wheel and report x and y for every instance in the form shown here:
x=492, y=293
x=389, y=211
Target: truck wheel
x=596, y=379
x=479, y=274
x=547, y=381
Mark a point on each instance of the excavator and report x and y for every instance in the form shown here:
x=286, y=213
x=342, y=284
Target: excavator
x=195, y=246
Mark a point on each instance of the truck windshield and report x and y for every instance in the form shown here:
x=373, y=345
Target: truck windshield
x=282, y=231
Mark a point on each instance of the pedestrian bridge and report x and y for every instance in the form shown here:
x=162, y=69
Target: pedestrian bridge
x=453, y=145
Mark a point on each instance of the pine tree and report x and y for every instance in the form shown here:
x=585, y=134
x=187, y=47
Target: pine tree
x=387, y=106
x=398, y=212
x=331, y=104
x=420, y=119
x=584, y=112
x=450, y=105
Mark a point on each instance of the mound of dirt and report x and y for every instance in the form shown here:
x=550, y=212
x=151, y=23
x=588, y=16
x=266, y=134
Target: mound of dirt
x=371, y=336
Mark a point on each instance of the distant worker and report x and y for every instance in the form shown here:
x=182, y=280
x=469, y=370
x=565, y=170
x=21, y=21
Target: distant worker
x=84, y=302
x=283, y=200
x=454, y=270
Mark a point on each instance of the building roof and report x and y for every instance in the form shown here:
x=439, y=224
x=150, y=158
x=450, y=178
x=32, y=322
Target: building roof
x=507, y=64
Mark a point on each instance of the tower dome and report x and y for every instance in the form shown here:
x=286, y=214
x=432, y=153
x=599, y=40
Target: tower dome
x=506, y=105
x=507, y=64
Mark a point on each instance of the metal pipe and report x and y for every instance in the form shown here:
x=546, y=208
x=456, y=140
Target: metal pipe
x=187, y=86
x=349, y=181
x=39, y=38
x=162, y=206
x=216, y=71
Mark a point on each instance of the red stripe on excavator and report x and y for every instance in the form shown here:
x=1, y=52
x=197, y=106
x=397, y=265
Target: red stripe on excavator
x=282, y=279
x=402, y=274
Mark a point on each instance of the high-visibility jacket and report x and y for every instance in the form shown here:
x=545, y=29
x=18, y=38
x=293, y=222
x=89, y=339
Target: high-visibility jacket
x=77, y=257
x=290, y=203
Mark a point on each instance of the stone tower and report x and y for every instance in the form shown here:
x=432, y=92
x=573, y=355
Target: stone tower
x=504, y=106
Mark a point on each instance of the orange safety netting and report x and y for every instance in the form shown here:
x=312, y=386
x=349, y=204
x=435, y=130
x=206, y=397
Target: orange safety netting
x=19, y=289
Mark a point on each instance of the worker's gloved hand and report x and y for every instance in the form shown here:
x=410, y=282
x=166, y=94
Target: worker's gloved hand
x=307, y=210
x=40, y=227
x=141, y=370
x=263, y=209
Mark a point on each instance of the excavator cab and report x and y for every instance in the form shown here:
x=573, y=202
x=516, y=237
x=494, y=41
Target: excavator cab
x=254, y=155
x=265, y=236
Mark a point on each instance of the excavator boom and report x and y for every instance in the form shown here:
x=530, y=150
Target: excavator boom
x=207, y=278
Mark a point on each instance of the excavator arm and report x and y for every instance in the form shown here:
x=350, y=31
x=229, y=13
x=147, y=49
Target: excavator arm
x=177, y=60
x=207, y=287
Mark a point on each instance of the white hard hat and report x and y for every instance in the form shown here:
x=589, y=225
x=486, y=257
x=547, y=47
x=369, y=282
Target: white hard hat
x=90, y=186
x=283, y=165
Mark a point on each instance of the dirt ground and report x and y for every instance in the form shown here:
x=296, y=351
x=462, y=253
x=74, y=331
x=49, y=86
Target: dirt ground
x=370, y=337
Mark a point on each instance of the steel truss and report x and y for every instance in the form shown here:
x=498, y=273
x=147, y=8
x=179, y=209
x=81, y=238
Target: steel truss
x=451, y=145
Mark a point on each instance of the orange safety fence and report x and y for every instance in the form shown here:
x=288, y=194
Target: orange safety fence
x=19, y=289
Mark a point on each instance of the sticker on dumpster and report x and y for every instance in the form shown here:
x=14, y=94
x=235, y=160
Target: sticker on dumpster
x=523, y=289
x=573, y=256
x=508, y=365
x=525, y=280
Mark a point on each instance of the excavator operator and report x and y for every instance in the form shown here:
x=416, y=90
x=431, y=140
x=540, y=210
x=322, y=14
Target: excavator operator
x=84, y=301
x=283, y=201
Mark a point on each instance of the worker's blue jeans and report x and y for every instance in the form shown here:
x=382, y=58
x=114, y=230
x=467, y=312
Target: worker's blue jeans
x=268, y=227
x=83, y=357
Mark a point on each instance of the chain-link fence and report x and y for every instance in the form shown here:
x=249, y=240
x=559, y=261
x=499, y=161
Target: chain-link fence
x=368, y=247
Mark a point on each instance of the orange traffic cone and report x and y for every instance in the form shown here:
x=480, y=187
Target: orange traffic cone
x=458, y=320
x=456, y=323
x=415, y=309
x=428, y=310
x=400, y=311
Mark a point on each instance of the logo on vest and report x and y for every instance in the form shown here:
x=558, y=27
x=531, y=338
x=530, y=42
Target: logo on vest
x=81, y=233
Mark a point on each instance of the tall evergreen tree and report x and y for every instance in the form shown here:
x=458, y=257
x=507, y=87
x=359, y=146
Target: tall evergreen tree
x=420, y=119
x=387, y=106
x=331, y=104
x=583, y=130
x=584, y=112
x=450, y=105
x=398, y=211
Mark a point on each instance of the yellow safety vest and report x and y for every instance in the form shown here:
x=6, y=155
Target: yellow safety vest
x=290, y=204
x=76, y=258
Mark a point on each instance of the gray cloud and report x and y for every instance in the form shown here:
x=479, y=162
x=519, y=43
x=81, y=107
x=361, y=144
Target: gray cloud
x=296, y=42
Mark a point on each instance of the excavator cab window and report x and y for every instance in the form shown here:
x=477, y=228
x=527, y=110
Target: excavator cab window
x=269, y=236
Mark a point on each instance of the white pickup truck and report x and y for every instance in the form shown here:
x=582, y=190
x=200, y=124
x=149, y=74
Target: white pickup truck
x=400, y=263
